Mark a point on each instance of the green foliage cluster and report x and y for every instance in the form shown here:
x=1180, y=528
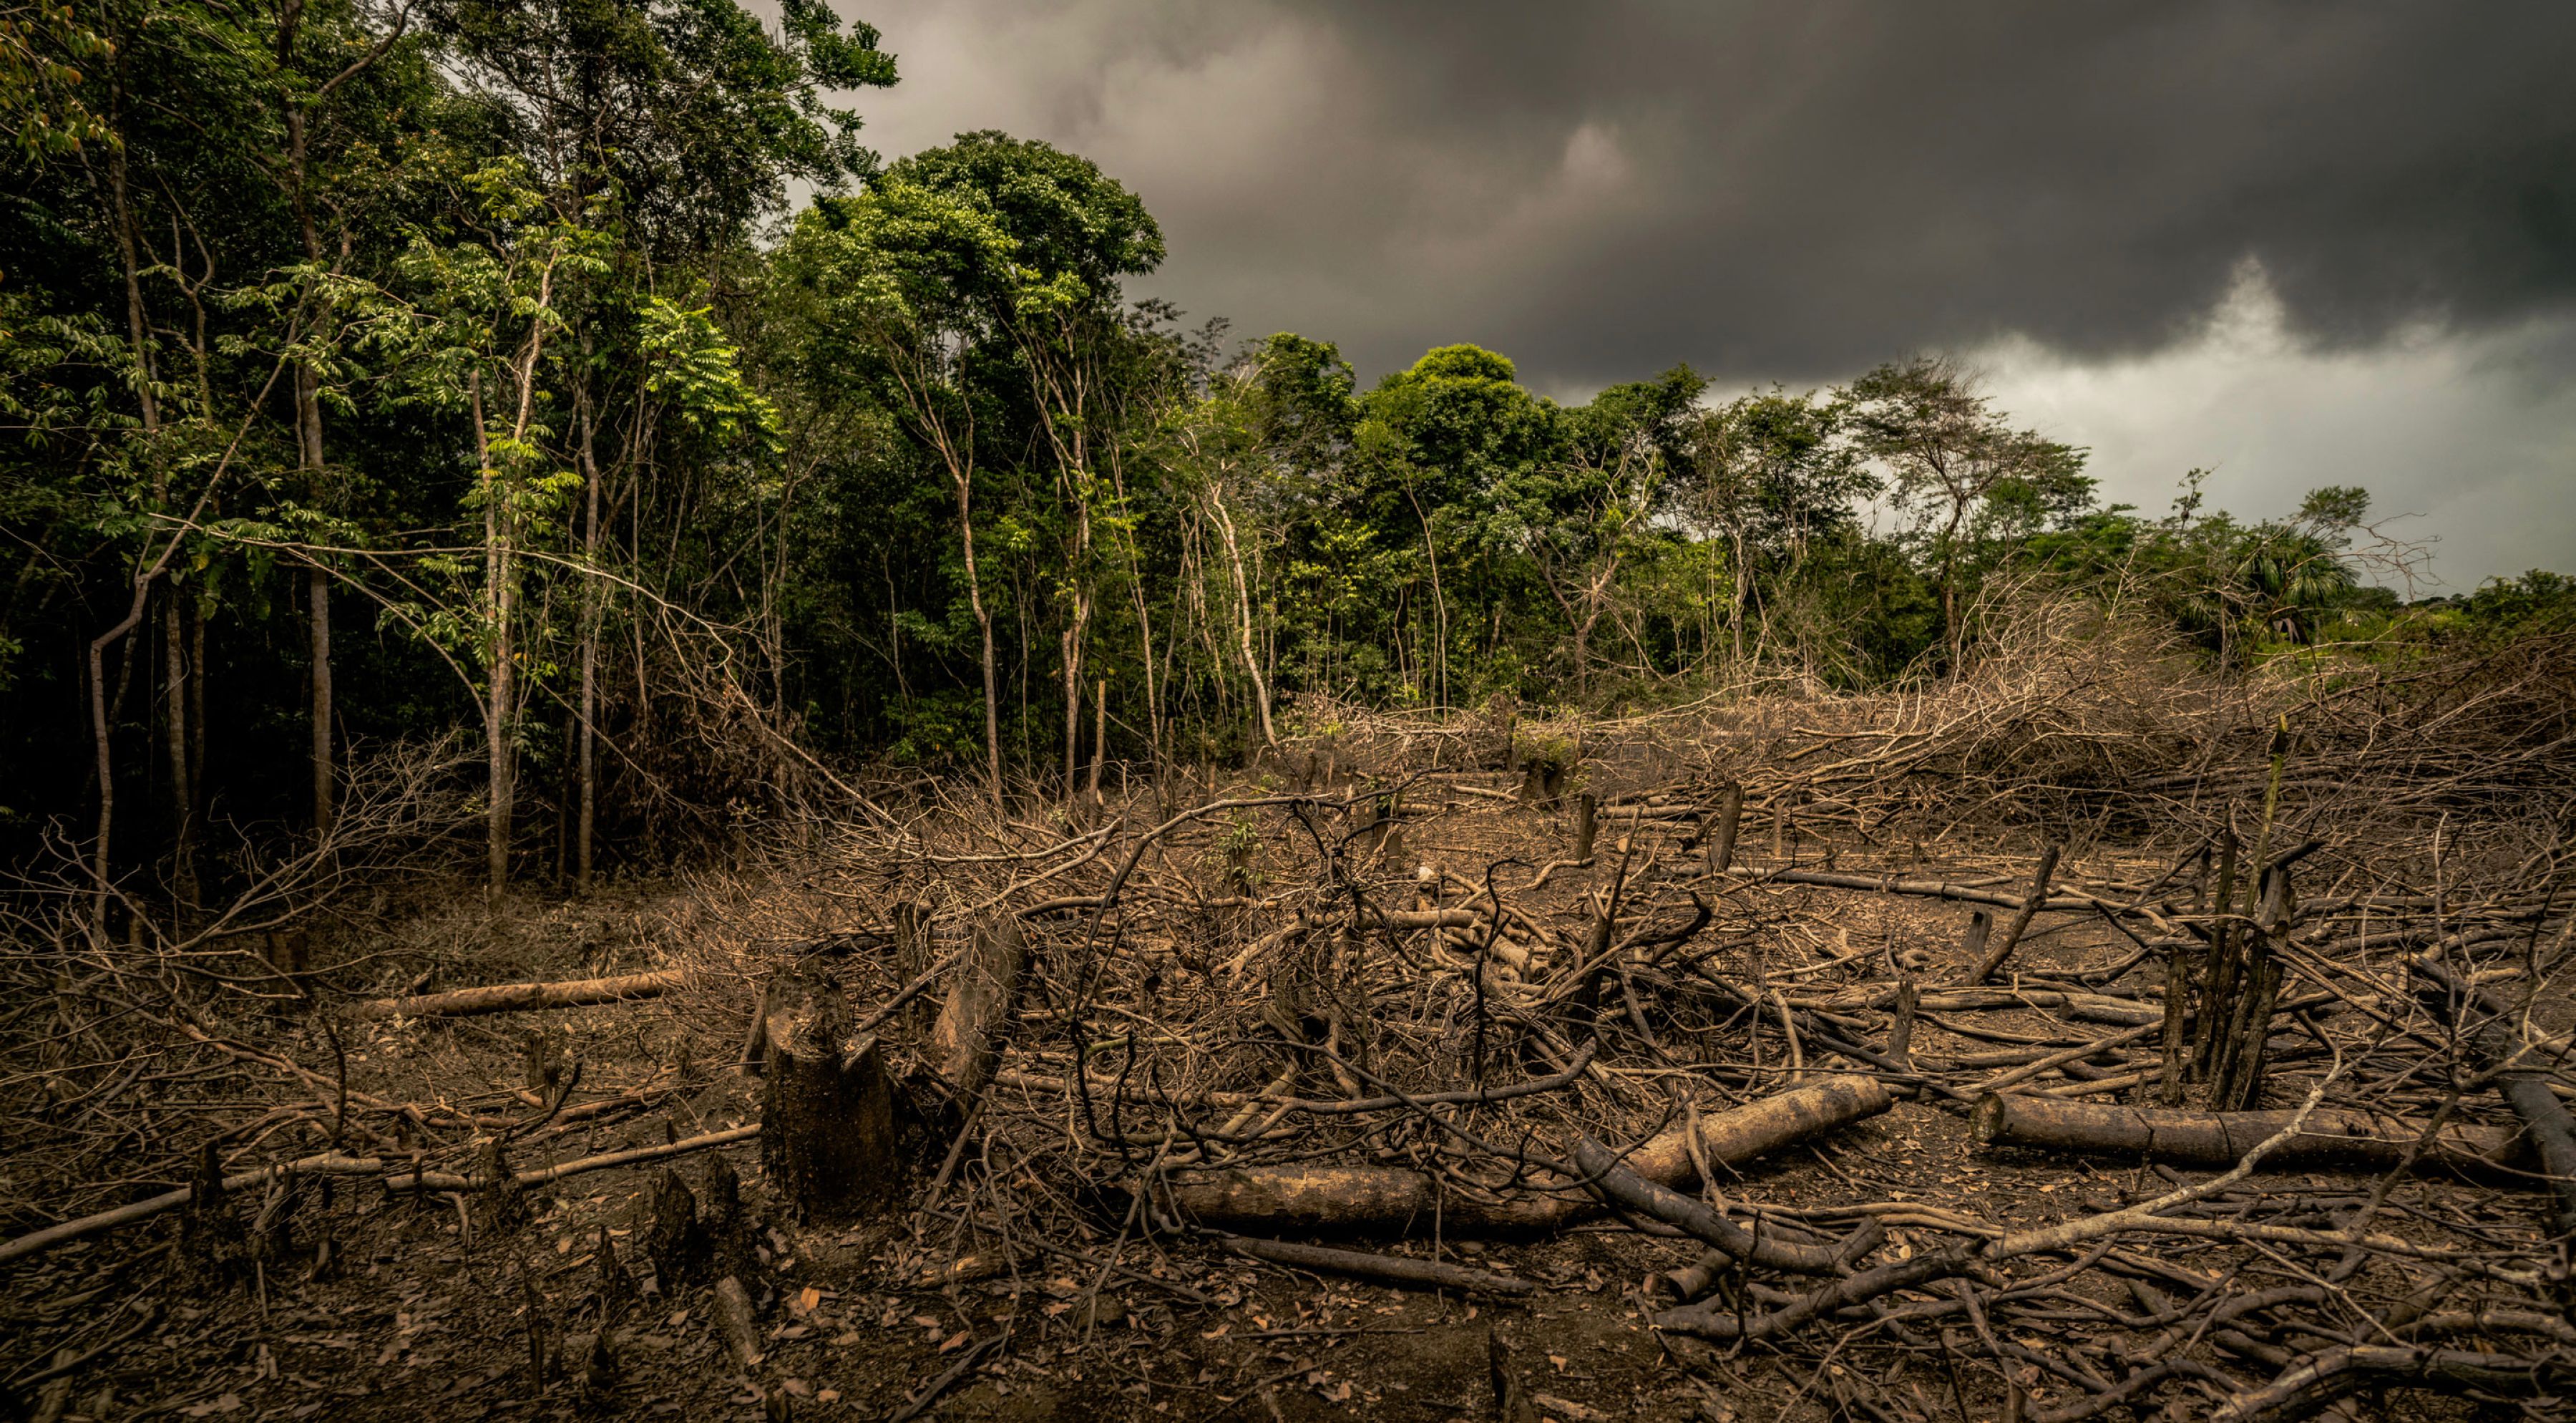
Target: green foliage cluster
x=463, y=366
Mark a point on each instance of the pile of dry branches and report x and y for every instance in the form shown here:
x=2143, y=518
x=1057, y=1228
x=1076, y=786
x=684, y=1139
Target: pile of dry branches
x=2272, y=969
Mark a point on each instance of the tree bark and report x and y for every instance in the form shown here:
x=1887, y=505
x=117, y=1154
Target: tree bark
x=499, y=655
x=1099, y=740
x=521, y=997
x=318, y=600
x=962, y=1041
x=2031, y=905
x=174, y=676
x=1389, y=1200
x=827, y=1117
x=1730, y=816
x=984, y=625
x=2218, y=968
x=2182, y=1137
x=1243, y=608
x=585, y=753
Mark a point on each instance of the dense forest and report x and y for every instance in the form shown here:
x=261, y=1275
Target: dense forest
x=548, y=421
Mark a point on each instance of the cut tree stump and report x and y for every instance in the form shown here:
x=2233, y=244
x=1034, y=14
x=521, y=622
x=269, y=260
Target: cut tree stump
x=963, y=1042
x=2237, y=1084
x=2181, y=1137
x=827, y=1116
x=1721, y=839
x=676, y=1243
x=2218, y=969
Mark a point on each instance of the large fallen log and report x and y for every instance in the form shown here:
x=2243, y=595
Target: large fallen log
x=1930, y=889
x=2091, y=1007
x=394, y=1175
x=2545, y=1119
x=2182, y=1137
x=1623, y=1187
x=2305, y=1388
x=525, y=997
x=1389, y=1200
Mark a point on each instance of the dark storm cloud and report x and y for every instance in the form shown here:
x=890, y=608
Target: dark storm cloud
x=2294, y=244
x=1793, y=189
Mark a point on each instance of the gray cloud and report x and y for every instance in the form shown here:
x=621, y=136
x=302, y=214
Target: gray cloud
x=1796, y=192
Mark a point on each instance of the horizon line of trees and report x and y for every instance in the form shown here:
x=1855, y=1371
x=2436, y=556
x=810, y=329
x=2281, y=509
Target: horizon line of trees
x=378, y=375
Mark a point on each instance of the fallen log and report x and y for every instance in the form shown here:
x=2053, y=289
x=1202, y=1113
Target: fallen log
x=395, y=1174
x=1623, y=1187
x=1741, y=1135
x=2545, y=1119
x=2090, y=1007
x=1368, y=1266
x=1929, y=889
x=2183, y=1137
x=1390, y=1200
x=2317, y=1380
x=525, y=997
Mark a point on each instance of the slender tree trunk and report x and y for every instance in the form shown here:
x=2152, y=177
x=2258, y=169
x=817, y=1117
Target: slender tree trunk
x=497, y=681
x=1144, y=616
x=318, y=592
x=984, y=625
x=1743, y=589
x=1073, y=679
x=1243, y=621
x=1099, y=739
x=197, y=708
x=174, y=691
x=308, y=430
x=1439, y=602
x=585, y=765
x=106, y=767
x=140, y=337
x=1079, y=627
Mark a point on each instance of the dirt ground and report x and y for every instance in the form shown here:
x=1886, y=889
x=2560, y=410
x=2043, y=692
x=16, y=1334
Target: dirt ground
x=1005, y=1290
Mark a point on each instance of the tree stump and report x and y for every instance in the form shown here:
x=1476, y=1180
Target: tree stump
x=1587, y=808
x=616, y=1289
x=730, y=1234
x=962, y=1042
x=2218, y=969
x=2238, y=1083
x=676, y=1243
x=827, y=1116
x=214, y=1251
x=1721, y=839
x=913, y=951
x=500, y=1203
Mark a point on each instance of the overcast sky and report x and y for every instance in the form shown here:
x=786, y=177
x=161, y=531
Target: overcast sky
x=2295, y=244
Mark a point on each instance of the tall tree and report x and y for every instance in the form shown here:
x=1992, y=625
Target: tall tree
x=1947, y=451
